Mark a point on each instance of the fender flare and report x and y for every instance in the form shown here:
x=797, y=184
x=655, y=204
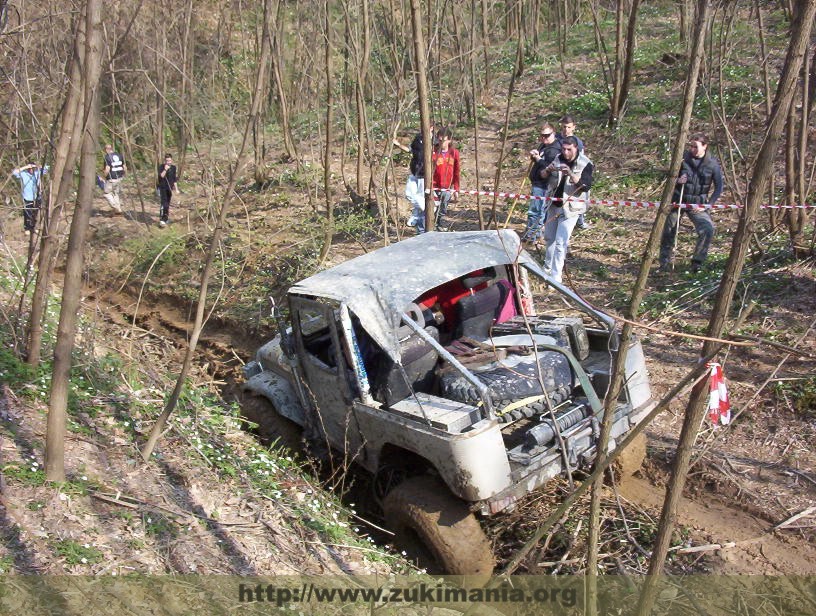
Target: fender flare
x=280, y=392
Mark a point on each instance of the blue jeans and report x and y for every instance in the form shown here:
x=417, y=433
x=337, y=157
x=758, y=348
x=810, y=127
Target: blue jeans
x=536, y=213
x=443, y=197
x=557, y=231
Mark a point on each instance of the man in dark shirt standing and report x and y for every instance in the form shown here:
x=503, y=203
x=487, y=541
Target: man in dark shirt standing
x=113, y=173
x=541, y=158
x=698, y=173
x=570, y=178
x=166, y=184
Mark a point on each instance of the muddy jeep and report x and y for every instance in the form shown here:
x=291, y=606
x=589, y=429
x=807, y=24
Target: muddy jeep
x=450, y=367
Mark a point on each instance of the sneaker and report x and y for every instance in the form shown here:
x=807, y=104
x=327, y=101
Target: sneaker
x=412, y=221
x=162, y=223
x=117, y=209
x=583, y=225
x=442, y=228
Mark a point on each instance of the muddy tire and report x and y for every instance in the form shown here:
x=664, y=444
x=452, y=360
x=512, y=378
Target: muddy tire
x=631, y=459
x=438, y=531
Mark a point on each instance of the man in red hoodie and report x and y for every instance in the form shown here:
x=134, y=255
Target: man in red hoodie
x=445, y=176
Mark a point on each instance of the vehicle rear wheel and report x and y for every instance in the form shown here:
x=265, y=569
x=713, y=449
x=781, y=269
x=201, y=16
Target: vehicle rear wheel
x=631, y=459
x=438, y=531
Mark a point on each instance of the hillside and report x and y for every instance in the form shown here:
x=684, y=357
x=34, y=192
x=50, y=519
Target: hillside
x=222, y=497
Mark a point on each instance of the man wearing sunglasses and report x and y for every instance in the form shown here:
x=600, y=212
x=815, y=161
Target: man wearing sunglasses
x=541, y=157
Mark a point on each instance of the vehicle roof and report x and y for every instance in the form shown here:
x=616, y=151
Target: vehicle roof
x=380, y=285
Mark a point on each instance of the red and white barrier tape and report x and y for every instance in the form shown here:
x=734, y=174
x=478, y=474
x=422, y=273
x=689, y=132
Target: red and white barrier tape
x=623, y=203
x=719, y=406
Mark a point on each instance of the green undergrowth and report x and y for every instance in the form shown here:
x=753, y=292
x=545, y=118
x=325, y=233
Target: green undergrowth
x=798, y=394
x=764, y=281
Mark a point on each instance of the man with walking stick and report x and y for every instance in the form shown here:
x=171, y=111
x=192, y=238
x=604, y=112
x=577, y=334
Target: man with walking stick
x=698, y=173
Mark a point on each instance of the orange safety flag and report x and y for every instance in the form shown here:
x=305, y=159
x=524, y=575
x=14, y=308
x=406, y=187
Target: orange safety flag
x=719, y=407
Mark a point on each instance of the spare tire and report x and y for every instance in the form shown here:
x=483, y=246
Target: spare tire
x=514, y=378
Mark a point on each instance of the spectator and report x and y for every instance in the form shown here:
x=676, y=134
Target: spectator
x=541, y=156
x=415, y=186
x=30, y=177
x=568, y=130
x=445, y=176
x=113, y=173
x=697, y=174
x=570, y=178
x=166, y=185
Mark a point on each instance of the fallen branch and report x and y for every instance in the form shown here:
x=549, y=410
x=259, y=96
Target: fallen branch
x=802, y=514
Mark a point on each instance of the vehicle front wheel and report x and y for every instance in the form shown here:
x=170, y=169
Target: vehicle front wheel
x=438, y=531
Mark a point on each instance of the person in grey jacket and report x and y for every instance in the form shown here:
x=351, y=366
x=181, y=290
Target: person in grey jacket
x=570, y=177
x=699, y=172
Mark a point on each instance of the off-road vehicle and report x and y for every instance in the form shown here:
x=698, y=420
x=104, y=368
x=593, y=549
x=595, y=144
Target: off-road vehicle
x=453, y=369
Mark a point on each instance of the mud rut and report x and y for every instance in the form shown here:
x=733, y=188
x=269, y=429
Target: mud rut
x=712, y=518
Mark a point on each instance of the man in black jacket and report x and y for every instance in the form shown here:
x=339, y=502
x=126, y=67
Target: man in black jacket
x=541, y=157
x=698, y=174
x=166, y=185
x=415, y=186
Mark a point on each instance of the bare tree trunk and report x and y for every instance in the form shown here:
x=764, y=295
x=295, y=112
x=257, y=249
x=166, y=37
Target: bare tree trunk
x=686, y=20
x=638, y=291
x=186, y=115
x=327, y=239
x=773, y=215
x=362, y=76
x=161, y=80
x=277, y=74
x=65, y=156
x=215, y=241
x=72, y=287
x=486, y=45
x=797, y=218
x=695, y=410
x=472, y=62
x=623, y=64
x=424, y=107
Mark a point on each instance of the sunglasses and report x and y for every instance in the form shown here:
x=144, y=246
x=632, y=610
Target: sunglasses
x=545, y=135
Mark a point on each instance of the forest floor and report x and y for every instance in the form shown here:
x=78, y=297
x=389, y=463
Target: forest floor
x=184, y=513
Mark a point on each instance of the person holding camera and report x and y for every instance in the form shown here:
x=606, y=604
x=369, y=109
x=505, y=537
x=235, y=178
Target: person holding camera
x=541, y=158
x=166, y=184
x=699, y=172
x=113, y=173
x=570, y=177
x=30, y=177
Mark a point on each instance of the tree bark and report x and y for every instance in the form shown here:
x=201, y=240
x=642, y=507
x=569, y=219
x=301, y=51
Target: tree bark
x=327, y=239
x=65, y=156
x=623, y=77
x=72, y=287
x=424, y=107
x=215, y=241
x=695, y=410
x=638, y=291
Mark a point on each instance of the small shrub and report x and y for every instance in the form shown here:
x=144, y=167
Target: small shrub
x=76, y=553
